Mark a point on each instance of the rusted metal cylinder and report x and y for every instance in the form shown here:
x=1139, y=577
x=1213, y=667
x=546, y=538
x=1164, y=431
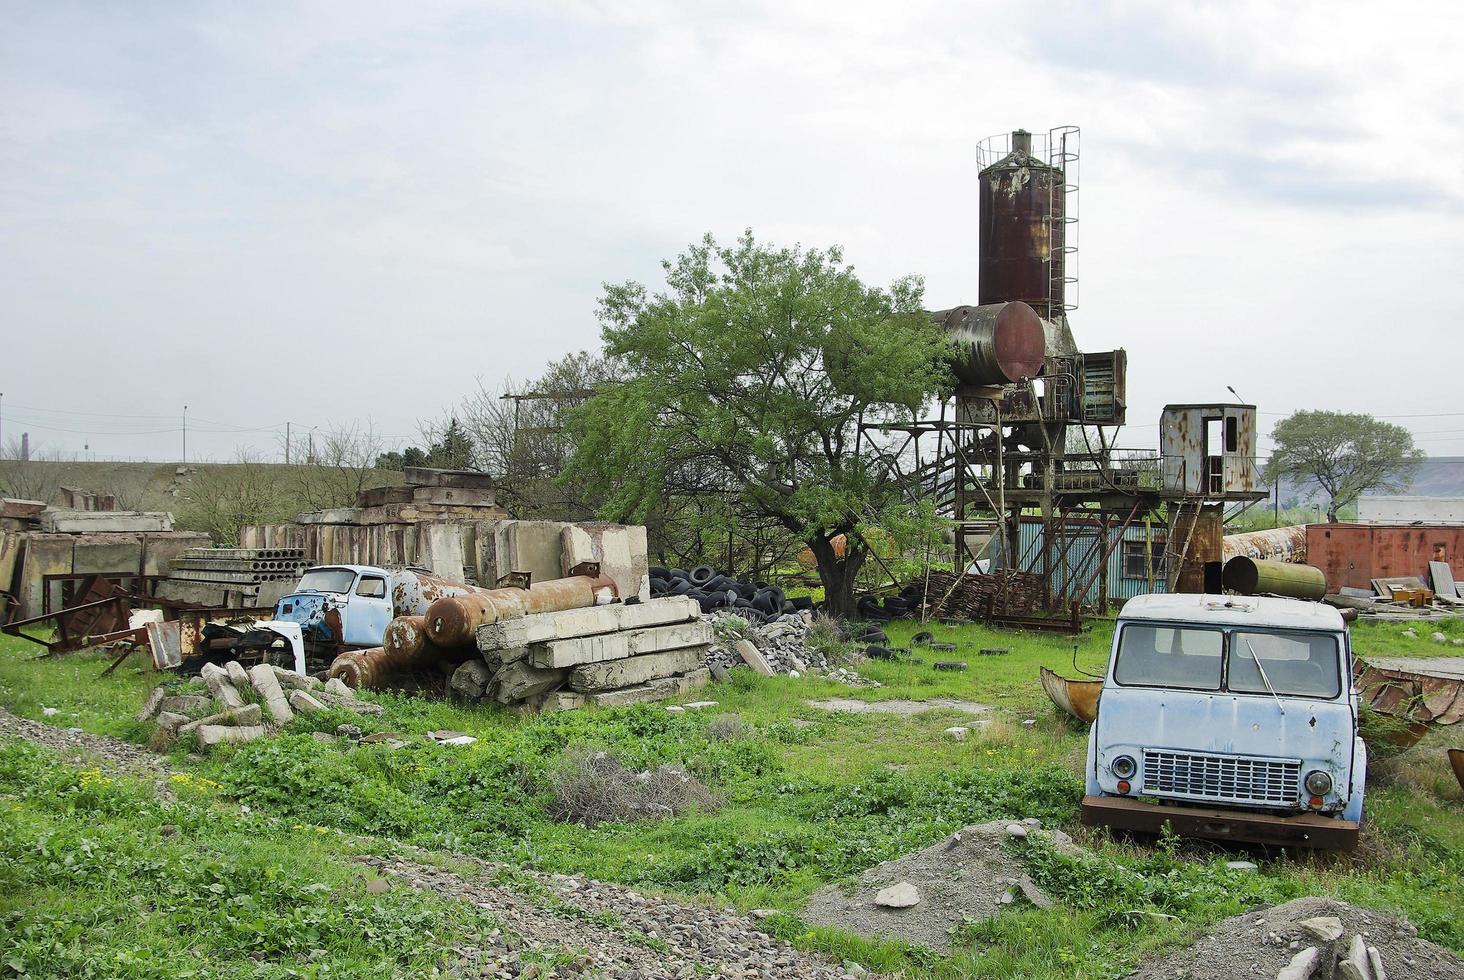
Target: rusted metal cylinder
x=1286, y=544
x=364, y=668
x=412, y=591
x=1257, y=576
x=997, y=344
x=453, y=621
x=1020, y=239
x=406, y=635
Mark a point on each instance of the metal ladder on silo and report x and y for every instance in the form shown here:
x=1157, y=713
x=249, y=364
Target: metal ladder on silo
x=1063, y=152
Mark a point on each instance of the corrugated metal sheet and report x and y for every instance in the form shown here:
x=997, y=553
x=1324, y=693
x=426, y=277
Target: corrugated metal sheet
x=1083, y=546
x=1353, y=555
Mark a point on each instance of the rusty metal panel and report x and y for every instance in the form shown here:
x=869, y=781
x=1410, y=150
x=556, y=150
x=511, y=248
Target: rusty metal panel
x=1239, y=466
x=1196, y=536
x=1354, y=554
x=1182, y=448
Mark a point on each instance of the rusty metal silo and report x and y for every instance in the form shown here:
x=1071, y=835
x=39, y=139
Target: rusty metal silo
x=1021, y=231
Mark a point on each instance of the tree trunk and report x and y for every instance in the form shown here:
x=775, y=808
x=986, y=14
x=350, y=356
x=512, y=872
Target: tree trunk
x=1332, y=509
x=837, y=573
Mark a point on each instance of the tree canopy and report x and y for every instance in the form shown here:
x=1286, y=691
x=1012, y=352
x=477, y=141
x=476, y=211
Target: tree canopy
x=1345, y=454
x=745, y=382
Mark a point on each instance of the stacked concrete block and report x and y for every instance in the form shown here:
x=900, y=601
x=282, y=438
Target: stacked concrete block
x=605, y=656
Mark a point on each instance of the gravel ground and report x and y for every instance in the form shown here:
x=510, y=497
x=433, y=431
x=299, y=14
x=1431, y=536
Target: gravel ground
x=1259, y=943
x=604, y=930
x=968, y=876
x=78, y=746
x=611, y=931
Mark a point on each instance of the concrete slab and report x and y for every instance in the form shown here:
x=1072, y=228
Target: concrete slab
x=666, y=687
x=440, y=548
x=45, y=554
x=542, y=627
x=103, y=521
x=618, y=646
x=1449, y=667
x=619, y=548
x=107, y=553
x=898, y=706
x=636, y=670
x=529, y=546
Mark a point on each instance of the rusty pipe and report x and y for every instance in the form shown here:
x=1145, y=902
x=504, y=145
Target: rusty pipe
x=1257, y=576
x=452, y=621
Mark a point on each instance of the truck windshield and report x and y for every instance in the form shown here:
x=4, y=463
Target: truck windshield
x=326, y=580
x=1299, y=664
x=1170, y=656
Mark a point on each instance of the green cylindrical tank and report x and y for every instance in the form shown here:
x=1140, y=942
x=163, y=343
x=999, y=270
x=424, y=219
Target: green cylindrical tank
x=1259, y=576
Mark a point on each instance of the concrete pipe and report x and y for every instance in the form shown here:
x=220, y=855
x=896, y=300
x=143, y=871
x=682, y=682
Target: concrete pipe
x=452, y=621
x=1258, y=576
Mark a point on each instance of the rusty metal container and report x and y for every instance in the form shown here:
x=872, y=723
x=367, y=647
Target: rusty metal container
x=998, y=344
x=1273, y=544
x=453, y=621
x=1020, y=240
x=1352, y=555
x=1258, y=576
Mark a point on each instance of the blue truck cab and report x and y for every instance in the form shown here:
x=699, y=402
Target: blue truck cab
x=340, y=605
x=1231, y=718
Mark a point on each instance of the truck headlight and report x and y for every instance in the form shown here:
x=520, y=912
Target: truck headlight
x=1124, y=766
x=1318, y=783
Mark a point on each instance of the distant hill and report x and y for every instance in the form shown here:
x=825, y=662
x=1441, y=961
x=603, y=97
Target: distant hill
x=1439, y=476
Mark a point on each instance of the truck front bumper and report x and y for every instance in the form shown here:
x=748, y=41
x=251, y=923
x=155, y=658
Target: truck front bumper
x=1286, y=830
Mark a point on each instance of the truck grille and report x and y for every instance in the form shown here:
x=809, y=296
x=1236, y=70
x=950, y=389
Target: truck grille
x=1274, y=782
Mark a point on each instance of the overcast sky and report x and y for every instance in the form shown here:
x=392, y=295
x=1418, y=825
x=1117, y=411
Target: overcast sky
x=328, y=212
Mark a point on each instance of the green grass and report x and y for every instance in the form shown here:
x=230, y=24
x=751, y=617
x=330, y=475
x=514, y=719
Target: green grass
x=812, y=797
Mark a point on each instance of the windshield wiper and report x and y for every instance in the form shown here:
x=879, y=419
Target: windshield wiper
x=1257, y=659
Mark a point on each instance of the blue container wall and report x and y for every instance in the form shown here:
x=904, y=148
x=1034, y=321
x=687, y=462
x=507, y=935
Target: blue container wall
x=1079, y=550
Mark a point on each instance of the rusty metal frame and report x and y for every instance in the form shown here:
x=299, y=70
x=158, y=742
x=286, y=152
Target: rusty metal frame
x=1311, y=830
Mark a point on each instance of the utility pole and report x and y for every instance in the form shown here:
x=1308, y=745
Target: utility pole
x=185, y=434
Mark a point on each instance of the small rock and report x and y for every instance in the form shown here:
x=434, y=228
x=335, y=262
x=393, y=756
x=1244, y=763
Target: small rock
x=152, y=704
x=760, y=914
x=1301, y=965
x=1029, y=722
x=1354, y=965
x=1411, y=634
x=901, y=895
x=1032, y=822
x=958, y=733
x=1242, y=866
x=1016, y=830
x=171, y=721
x=349, y=731
x=1438, y=638
x=675, y=709
x=699, y=705
x=168, y=830
x=1326, y=928
x=339, y=688
x=48, y=712
x=794, y=673
x=378, y=886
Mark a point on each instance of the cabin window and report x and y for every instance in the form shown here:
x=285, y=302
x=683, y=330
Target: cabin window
x=1232, y=434
x=1170, y=656
x=1297, y=664
x=372, y=587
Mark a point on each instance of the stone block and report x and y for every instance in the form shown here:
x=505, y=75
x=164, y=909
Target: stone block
x=618, y=646
x=302, y=701
x=249, y=714
x=753, y=657
x=212, y=735
x=107, y=553
x=217, y=680
x=470, y=680
x=238, y=676
x=424, y=476
x=171, y=720
x=103, y=521
x=665, y=687
x=528, y=546
x=152, y=704
x=191, y=705
x=520, y=681
x=292, y=681
x=339, y=688
x=263, y=678
x=635, y=670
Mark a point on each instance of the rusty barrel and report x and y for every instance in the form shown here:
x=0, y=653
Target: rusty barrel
x=452, y=621
x=406, y=635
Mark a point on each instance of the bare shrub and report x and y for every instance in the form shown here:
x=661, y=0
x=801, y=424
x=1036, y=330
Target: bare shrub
x=727, y=728
x=593, y=787
x=826, y=634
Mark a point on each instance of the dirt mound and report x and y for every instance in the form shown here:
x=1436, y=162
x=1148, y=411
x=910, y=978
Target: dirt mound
x=1260, y=943
x=969, y=875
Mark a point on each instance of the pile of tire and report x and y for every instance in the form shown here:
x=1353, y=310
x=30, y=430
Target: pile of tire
x=716, y=590
x=877, y=609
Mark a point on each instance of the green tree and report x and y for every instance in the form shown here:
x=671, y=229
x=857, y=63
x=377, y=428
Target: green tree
x=745, y=383
x=1345, y=454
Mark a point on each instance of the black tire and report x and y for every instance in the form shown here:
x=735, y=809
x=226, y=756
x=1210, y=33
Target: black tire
x=676, y=573
x=718, y=583
x=879, y=653
x=679, y=586
x=922, y=638
x=801, y=602
x=875, y=636
x=702, y=574
x=658, y=571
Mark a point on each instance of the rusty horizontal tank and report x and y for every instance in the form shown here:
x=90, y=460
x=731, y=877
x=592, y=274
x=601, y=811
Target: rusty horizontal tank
x=1260, y=576
x=996, y=345
x=1021, y=230
x=1274, y=544
x=453, y=620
